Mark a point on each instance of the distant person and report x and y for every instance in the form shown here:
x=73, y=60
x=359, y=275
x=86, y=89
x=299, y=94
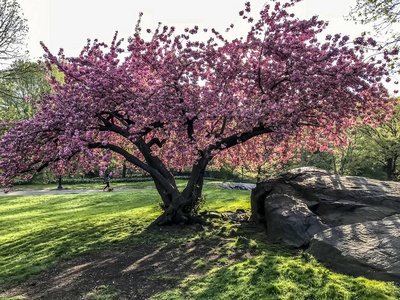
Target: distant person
x=107, y=182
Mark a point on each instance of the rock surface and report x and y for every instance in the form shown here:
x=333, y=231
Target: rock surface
x=235, y=186
x=291, y=221
x=239, y=216
x=336, y=216
x=370, y=249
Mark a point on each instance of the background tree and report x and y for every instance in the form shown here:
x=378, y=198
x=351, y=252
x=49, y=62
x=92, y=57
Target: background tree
x=383, y=14
x=370, y=151
x=172, y=103
x=28, y=81
x=13, y=29
x=382, y=145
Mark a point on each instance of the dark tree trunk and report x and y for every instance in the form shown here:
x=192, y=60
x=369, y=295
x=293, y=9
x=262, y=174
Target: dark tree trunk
x=182, y=207
x=258, y=173
x=179, y=207
x=124, y=170
x=391, y=168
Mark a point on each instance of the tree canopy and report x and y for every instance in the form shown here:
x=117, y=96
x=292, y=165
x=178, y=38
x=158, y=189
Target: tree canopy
x=172, y=102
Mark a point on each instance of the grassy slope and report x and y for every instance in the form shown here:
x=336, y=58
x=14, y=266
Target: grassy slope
x=37, y=231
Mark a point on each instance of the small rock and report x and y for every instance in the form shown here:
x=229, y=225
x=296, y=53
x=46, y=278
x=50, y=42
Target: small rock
x=214, y=215
x=198, y=227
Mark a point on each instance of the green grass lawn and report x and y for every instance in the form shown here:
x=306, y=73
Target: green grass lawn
x=38, y=231
x=93, y=185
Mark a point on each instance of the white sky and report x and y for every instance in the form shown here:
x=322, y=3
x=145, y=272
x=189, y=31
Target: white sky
x=68, y=24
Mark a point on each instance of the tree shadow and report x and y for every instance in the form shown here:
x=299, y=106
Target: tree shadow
x=152, y=261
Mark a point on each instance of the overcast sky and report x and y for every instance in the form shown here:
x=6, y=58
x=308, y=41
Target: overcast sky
x=68, y=24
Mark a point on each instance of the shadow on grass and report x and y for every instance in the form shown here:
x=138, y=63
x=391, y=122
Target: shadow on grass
x=152, y=261
x=274, y=273
x=37, y=231
x=141, y=261
x=53, y=228
x=225, y=260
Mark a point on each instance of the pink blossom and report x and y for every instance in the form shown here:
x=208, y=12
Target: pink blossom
x=172, y=101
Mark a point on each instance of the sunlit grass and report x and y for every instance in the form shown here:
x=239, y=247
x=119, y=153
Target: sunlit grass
x=275, y=274
x=38, y=231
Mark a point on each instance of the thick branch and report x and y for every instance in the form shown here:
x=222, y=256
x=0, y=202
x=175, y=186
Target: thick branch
x=156, y=141
x=190, y=128
x=236, y=139
x=108, y=126
x=137, y=162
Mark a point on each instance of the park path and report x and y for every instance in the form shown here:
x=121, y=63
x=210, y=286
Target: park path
x=58, y=192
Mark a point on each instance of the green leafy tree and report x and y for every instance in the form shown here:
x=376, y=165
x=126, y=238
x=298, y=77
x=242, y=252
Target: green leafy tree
x=381, y=13
x=383, y=143
x=28, y=80
x=371, y=151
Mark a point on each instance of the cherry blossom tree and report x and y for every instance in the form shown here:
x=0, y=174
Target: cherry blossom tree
x=172, y=102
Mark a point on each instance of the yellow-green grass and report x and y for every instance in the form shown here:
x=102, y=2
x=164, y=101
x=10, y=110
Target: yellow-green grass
x=277, y=275
x=36, y=231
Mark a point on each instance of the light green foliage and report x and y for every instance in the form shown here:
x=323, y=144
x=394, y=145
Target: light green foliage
x=23, y=79
x=373, y=152
x=103, y=292
x=276, y=275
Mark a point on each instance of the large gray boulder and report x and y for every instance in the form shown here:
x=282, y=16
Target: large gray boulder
x=291, y=221
x=336, y=200
x=309, y=206
x=370, y=249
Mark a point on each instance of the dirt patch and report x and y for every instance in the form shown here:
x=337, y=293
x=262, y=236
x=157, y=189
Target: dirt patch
x=136, y=273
